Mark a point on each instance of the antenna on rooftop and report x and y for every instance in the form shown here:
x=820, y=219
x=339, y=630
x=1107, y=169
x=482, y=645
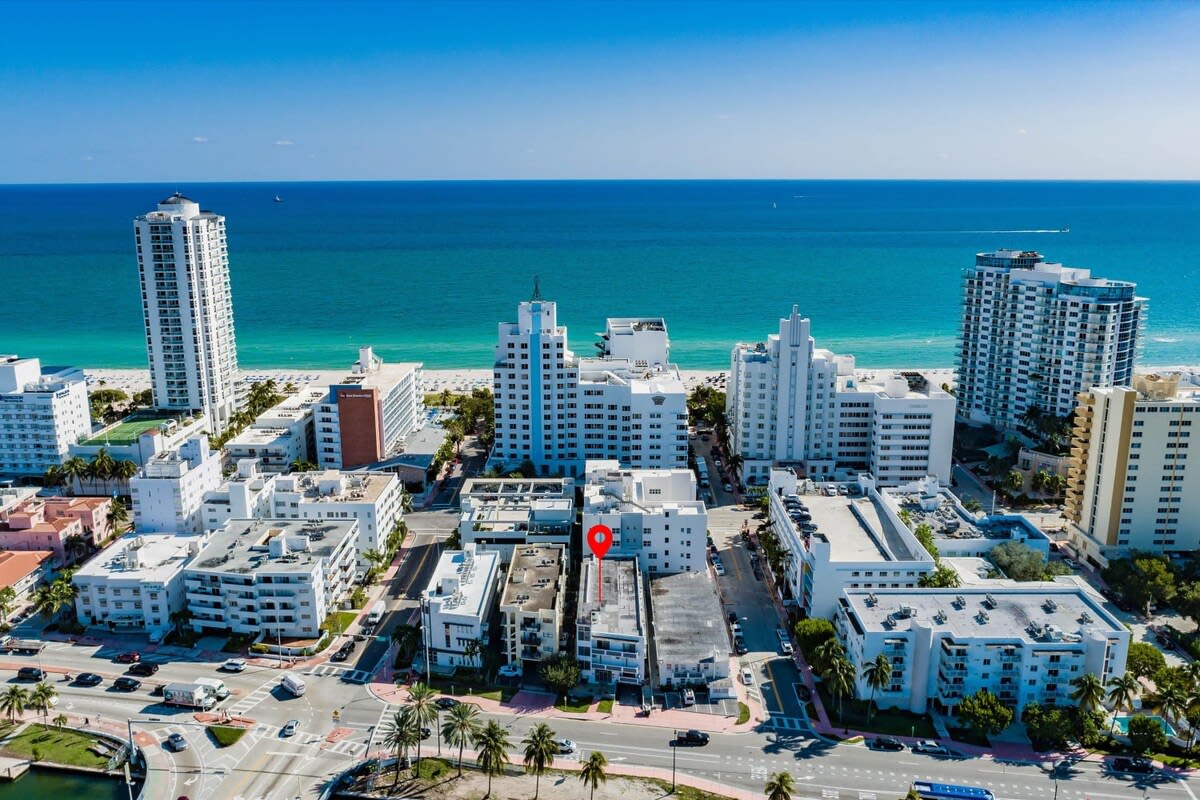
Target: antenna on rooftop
x=537, y=288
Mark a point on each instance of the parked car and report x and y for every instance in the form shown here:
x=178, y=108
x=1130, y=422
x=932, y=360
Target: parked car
x=747, y=677
x=885, y=743
x=929, y=748
x=176, y=742
x=1133, y=766
x=739, y=646
x=234, y=665
x=30, y=674
x=445, y=703
x=691, y=737
x=143, y=668
x=289, y=727
x=127, y=684
x=88, y=679
x=718, y=568
x=733, y=616
x=565, y=746
x=735, y=628
x=128, y=658
x=340, y=655
x=689, y=697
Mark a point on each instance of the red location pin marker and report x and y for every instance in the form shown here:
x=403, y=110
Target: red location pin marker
x=599, y=538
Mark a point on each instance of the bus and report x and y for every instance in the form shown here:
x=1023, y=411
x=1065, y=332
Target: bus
x=949, y=791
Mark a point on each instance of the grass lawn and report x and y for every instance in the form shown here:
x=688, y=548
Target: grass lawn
x=338, y=621
x=574, y=705
x=59, y=746
x=466, y=687
x=128, y=431
x=890, y=721
x=605, y=706
x=743, y=713
x=226, y=735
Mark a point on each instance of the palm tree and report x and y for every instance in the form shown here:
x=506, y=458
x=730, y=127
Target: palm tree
x=101, y=468
x=1172, y=701
x=492, y=743
x=122, y=471
x=406, y=504
x=472, y=649
x=118, y=515
x=49, y=598
x=41, y=699
x=74, y=470
x=376, y=558
x=59, y=721
x=780, y=786
x=1088, y=692
x=53, y=476
x=8, y=598
x=840, y=677
x=461, y=727
x=13, y=702
x=878, y=674
x=75, y=546
x=420, y=703
x=1122, y=691
x=592, y=773
x=826, y=653
x=399, y=734
x=540, y=749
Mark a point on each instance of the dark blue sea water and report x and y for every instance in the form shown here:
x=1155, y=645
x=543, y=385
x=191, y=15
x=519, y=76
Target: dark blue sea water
x=424, y=271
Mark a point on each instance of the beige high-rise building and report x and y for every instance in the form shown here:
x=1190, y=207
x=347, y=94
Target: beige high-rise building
x=1130, y=486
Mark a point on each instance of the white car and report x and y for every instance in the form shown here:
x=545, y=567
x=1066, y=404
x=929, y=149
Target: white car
x=735, y=628
x=689, y=697
x=718, y=568
x=234, y=665
x=747, y=677
x=565, y=746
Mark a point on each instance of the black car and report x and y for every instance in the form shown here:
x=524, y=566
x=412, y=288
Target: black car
x=88, y=679
x=692, y=737
x=127, y=684
x=143, y=668
x=445, y=703
x=340, y=655
x=30, y=674
x=1133, y=766
x=426, y=733
x=733, y=616
x=739, y=646
x=886, y=743
x=349, y=646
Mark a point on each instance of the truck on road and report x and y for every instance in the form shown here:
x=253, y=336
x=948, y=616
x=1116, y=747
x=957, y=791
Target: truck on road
x=28, y=646
x=375, y=615
x=217, y=686
x=188, y=695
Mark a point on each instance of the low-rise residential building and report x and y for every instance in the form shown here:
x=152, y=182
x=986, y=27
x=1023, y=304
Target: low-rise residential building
x=42, y=412
x=366, y=413
x=500, y=514
x=653, y=513
x=282, y=434
x=249, y=494
x=531, y=605
x=169, y=491
x=29, y=528
x=92, y=513
x=841, y=536
x=279, y=578
x=375, y=499
x=690, y=646
x=611, y=624
x=137, y=582
x=1023, y=644
x=1134, y=481
x=24, y=572
x=457, y=606
x=13, y=498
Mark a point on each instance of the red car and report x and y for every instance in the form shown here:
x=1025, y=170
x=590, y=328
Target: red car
x=128, y=658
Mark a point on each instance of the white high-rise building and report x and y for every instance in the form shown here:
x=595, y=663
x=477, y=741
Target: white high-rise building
x=183, y=263
x=791, y=403
x=367, y=412
x=42, y=413
x=168, y=494
x=1130, y=485
x=557, y=410
x=1038, y=334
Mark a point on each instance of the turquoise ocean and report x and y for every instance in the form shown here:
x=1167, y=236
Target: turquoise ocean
x=424, y=271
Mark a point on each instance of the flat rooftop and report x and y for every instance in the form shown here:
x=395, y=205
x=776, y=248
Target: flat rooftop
x=532, y=582
x=462, y=583
x=383, y=377
x=689, y=626
x=144, y=557
x=622, y=610
x=335, y=486
x=243, y=545
x=262, y=436
x=854, y=528
x=128, y=430
x=490, y=489
x=1042, y=613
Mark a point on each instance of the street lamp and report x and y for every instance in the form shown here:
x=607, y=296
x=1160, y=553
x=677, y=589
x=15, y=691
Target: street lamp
x=425, y=616
x=674, y=750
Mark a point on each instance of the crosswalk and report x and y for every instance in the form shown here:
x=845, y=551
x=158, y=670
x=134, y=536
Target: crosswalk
x=347, y=675
x=788, y=723
x=251, y=700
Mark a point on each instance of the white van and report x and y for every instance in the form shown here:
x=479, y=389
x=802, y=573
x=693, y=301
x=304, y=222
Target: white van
x=375, y=615
x=293, y=684
x=218, y=687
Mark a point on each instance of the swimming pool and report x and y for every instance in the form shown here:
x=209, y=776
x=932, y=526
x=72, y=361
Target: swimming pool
x=1121, y=724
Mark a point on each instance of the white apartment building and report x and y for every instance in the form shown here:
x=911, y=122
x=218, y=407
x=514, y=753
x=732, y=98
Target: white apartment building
x=1038, y=334
x=653, y=513
x=137, y=582
x=248, y=494
x=169, y=491
x=558, y=410
x=843, y=536
x=366, y=413
x=282, y=434
x=611, y=623
x=531, y=605
x=42, y=413
x=183, y=264
x=457, y=606
x=277, y=578
x=375, y=499
x=502, y=514
x=690, y=645
x=1134, y=480
x=1023, y=643
x=791, y=403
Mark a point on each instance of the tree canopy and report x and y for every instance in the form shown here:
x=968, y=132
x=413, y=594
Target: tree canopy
x=1021, y=562
x=984, y=712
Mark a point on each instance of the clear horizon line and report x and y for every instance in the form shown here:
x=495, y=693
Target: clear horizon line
x=203, y=182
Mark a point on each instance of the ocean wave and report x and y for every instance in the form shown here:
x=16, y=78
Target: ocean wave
x=1164, y=339
x=1018, y=230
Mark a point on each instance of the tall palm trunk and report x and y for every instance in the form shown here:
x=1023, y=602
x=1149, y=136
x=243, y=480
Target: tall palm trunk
x=460, y=751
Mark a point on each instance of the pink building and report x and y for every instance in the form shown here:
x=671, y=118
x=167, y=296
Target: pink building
x=24, y=572
x=28, y=528
x=91, y=511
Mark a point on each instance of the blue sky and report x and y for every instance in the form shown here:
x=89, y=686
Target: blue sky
x=97, y=92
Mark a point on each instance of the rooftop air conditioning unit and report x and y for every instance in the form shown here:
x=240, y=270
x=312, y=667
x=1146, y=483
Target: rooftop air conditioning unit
x=989, y=601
